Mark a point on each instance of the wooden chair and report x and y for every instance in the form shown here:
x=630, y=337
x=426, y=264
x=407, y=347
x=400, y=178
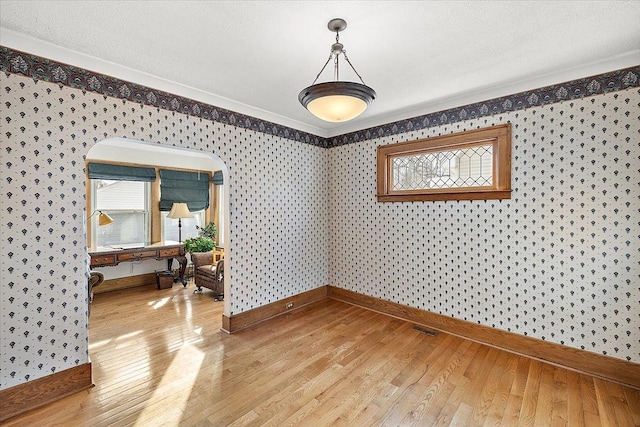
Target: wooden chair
x=95, y=279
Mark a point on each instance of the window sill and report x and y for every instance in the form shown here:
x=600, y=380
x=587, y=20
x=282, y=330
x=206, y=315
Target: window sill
x=433, y=196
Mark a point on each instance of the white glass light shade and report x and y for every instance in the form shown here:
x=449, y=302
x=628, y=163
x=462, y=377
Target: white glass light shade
x=179, y=210
x=337, y=101
x=337, y=108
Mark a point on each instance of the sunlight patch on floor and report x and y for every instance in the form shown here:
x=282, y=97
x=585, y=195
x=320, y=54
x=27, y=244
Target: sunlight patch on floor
x=178, y=345
x=95, y=345
x=157, y=304
x=129, y=335
x=172, y=393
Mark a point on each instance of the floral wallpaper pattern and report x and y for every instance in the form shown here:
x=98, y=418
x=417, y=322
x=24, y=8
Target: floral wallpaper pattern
x=577, y=89
x=558, y=261
x=56, y=72
x=278, y=214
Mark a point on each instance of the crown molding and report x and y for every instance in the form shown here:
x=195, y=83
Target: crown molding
x=616, y=62
x=31, y=59
x=33, y=46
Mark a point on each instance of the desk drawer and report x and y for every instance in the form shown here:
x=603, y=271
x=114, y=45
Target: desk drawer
x=170, y=252
x=97, y=260
x=137, y=255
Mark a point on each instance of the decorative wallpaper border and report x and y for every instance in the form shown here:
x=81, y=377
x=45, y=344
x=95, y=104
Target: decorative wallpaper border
x=38, y=68
x=588, y=86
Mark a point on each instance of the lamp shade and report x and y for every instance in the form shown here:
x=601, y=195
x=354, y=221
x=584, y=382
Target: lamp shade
x=104, y=219
x=337, y=101
x=179, y=210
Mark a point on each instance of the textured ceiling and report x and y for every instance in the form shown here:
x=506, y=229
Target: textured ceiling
x=255, y=56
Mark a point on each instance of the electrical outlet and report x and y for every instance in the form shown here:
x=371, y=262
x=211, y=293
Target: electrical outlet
x=289, y=306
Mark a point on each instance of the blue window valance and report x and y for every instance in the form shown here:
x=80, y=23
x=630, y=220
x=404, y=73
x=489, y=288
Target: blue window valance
x=217, y=178
x=191, y=188
x=121, y=172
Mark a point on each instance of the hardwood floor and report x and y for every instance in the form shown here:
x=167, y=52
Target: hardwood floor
x=160, y=359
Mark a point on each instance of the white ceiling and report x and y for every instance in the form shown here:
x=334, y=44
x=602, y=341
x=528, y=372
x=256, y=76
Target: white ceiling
x=254, y=57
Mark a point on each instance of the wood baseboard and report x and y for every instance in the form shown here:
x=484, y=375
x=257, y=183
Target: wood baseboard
x=125, y=282
x=34, y=394
x=243, y=320
x=597, y=365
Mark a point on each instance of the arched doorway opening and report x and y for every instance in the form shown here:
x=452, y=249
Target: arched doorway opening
x=121, y=150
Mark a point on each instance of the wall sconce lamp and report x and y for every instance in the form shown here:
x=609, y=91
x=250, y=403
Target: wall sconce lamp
x=103, y=218
x=179, y=211
x=337, y=101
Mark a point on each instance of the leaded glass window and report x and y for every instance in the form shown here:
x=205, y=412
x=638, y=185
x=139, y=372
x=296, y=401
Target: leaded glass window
x=468, y=165
x=457, y=168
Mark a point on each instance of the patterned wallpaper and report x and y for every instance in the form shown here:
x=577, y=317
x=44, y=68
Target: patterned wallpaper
x=558, y=261
x=13, y=61
x=575, y=89
x=43, y=69
x=278, y=213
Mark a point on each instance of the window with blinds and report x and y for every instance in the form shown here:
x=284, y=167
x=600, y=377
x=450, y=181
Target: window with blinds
x=138, y=199
x=128, y=203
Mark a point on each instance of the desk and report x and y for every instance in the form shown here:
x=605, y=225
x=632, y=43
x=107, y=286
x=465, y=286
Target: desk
x=105, y=256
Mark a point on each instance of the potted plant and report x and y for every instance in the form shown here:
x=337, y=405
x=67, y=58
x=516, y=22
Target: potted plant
x=210, y=230
x=199, y=244
x=206, y=240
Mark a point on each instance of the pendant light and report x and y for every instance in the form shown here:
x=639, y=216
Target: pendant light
x=337, y=101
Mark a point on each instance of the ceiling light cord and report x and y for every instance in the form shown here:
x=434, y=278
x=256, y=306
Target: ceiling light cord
x=336, y=49
x=325, y=66
x=352, y=67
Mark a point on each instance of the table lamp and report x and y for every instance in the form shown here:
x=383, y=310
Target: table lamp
x=179, y=211
x=103, y=218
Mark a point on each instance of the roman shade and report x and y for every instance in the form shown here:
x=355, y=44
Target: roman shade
x=217, y=179
x=191, y=188
x=121, y=172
